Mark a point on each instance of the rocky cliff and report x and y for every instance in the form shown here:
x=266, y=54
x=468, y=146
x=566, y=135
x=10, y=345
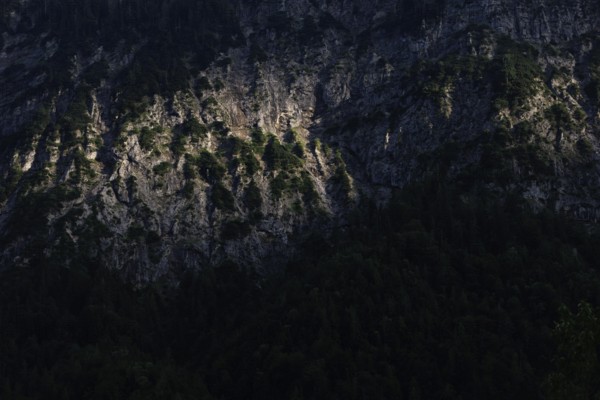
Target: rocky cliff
x=178, y=135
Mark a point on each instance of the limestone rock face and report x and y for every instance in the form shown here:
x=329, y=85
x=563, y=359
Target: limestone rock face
x=153, y=164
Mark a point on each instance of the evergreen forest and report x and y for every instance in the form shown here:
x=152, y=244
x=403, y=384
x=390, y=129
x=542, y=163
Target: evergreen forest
x=444, y=294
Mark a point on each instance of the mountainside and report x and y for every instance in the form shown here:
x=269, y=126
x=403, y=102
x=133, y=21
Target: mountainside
x=294, y=199
x=166, y=135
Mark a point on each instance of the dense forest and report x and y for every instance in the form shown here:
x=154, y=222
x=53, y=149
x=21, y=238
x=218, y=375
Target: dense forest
x=443, y=294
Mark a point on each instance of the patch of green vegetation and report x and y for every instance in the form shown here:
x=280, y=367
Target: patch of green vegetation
x=147, y=137
x=210, y=102
x=532, y=157
x=38, y=124
x=524, y=131
x=438, y=76
x=89, y=232
x=327, y=150
x=156, y=70
x=308, y=190
x=36, y=177
x=250, y=163
x=178, y=144
x=30, y=216
x=579, y=115
x=505, y=154
x=211, y=169
x=188, y=190
x=203, y=84
x=285, y=182
x=194, y=129
x=299, y=150
x=559, y=116
x=138, y=233
x=317, y=145
x=280, y=157
x=96, y=141
x=162, y=168
x=190, y=168
x=83, y=167
x=258, y=140
x=297, y=207
x=120, y=140
x=207, y=164
x=76, y=118
x=516, y=73
x=219, y=85
x=70, y=218
x=341, y=177
x=95, y=228
x=585, y=148
x=222, y=198
x=561, y=121
x=219, y=128
x=252, y=197
x=279, y=185
x=245, y=153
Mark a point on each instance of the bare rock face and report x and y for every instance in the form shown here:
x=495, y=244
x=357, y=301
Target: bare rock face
x=153, y=164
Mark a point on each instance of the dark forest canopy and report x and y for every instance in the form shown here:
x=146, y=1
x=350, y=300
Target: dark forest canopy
x=440, y=296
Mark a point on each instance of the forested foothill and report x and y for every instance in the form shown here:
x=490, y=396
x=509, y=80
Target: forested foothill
x=442, y=294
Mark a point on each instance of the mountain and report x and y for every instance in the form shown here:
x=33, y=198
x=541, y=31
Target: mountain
x=299, y=199
x=173, y=135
